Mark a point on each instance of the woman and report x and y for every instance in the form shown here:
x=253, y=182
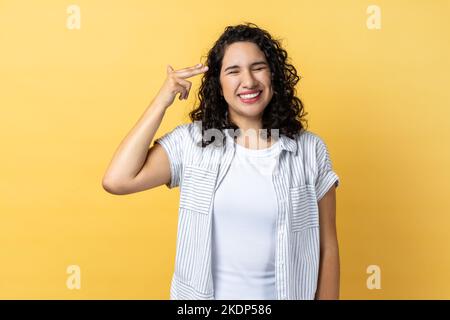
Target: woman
x=257, y=211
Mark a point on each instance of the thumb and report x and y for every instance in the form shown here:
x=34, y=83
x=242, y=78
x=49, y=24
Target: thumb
x=169, y=69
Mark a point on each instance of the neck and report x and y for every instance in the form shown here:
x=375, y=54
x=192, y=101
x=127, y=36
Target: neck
x=250, y=133
x=246, y=123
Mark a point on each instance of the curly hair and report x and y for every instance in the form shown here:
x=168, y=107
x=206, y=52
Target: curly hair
x=284, y=112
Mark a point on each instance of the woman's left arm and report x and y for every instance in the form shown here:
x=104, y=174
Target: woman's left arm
x=329, y=268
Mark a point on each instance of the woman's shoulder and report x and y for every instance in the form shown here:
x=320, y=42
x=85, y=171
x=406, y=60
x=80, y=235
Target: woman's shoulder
x=187, y=133
x=309, y=138
x=186, y=129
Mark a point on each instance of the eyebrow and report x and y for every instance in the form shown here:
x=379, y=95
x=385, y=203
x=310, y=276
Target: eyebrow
x=253, y=64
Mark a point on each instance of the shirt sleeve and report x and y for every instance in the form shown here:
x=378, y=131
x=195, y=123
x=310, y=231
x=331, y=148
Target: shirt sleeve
x=173, y=142
x=326, y=177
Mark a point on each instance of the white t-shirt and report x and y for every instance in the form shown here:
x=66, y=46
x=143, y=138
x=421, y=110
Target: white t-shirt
x=244, y=227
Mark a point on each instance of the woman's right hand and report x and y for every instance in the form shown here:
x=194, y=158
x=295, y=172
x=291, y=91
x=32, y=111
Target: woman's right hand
x=175, y=83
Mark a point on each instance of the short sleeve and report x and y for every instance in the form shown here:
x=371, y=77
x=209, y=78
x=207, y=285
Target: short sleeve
x=326, y=177
x=173, y=143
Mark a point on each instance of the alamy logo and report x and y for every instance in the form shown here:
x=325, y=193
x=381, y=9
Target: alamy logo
x=249, y=135
x=74, y=279
x=74, y=18
x=374, y=280
x=251, y=138
x=374, y=20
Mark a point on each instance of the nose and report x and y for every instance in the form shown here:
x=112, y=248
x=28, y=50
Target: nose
x=248, y=80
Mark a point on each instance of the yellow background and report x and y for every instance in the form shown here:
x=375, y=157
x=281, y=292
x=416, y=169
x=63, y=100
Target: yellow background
x=379, y=98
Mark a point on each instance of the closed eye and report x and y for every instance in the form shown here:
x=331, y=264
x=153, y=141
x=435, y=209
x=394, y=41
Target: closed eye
x=254, y=69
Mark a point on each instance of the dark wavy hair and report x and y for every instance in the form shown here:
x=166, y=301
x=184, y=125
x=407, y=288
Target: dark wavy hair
x=284, y=112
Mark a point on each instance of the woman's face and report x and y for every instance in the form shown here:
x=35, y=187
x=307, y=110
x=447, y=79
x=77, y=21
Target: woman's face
x=245, y=71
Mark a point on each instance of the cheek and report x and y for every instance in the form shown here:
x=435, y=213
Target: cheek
x=264, y=79
x=267, y=80
x=229, y=86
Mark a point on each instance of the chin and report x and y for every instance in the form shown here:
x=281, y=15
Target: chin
x=251, y=111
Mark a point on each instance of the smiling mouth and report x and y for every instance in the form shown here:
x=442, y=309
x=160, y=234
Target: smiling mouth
x=250, y=98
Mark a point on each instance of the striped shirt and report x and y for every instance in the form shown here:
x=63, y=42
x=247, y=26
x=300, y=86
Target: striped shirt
x=303, y=177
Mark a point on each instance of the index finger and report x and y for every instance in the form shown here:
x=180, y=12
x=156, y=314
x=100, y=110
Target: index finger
x=190, y=72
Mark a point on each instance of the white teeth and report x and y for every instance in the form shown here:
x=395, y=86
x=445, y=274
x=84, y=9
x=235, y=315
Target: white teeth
x=249, y=96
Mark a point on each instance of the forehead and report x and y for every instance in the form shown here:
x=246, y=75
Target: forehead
x=242, y=53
